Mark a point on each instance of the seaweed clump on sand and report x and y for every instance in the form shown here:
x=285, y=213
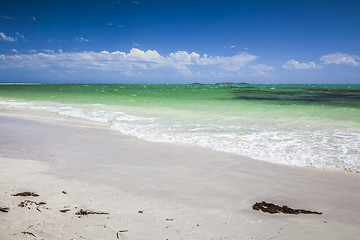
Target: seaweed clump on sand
x=28, y=202
x=25, y=194
x=87, y=212
x=272, y=208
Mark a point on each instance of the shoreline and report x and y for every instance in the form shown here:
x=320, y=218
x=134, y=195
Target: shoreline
x=189, y=184
x=55, y=118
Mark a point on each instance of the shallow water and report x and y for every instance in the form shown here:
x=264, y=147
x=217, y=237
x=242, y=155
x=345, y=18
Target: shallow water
x=302, y=125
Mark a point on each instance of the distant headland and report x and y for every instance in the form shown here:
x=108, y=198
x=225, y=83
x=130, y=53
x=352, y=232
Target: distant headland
x=232, y=83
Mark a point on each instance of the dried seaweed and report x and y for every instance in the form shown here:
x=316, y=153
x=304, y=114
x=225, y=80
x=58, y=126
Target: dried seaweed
x=25, y=194
x=64, y=210
x=29, y=202
x=272, y=208
x=4, y=209
x=83, y=212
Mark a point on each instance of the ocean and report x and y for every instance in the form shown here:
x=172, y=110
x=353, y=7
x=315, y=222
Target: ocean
x=301, y=125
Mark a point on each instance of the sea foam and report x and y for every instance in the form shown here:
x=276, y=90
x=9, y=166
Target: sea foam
x=302, y=146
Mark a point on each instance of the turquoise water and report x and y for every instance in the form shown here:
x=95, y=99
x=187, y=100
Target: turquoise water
x=302, y=125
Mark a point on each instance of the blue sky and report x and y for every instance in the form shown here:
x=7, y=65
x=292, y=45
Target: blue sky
x=128, y=41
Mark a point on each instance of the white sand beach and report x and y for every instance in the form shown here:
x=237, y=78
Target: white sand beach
x=158, y=190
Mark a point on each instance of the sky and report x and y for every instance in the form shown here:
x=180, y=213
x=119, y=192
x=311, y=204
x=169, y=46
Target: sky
x=143, y=41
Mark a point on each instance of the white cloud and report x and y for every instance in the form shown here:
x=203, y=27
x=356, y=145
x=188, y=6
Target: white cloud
x=7, y=38
x=340, y=58
x=6, y=17
x=110, y=24
x=261, y=69
x=120, y=26
x=133, y=74
x=182, y=57
x=34, y=19
x=14, y=50
x=293, y=64
x=235, y=63
x=81, y=39
x=130, y=62
x=18, y=34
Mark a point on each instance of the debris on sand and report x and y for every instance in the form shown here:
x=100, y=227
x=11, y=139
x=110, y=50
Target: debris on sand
x=119, y=232
x=29, y=233
x=87, y=212
x=29, y=202
x=64, y=210
x=272, y=208
x=4, y=209
x=25, y=194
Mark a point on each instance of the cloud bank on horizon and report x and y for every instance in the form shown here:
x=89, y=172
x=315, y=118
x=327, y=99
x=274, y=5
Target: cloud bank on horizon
x=147, y=44
x=139, y=60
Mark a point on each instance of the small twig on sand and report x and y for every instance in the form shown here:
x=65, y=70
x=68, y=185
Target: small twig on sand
x=119, y=232
x=4, y=209
x=29, y=233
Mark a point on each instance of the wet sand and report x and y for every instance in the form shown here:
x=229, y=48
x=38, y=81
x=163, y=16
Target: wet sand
x=181, y=191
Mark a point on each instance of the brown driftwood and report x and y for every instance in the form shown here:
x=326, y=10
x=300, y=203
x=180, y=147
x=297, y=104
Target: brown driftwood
x=25, y=194
x=272, y=208
x=87, y=212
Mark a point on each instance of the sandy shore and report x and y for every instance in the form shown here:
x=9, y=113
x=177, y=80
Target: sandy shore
x=159, y=191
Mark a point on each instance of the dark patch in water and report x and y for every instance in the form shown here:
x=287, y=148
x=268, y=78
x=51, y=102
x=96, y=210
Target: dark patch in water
x=343, y=97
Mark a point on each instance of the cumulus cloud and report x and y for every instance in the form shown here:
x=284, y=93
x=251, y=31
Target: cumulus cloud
x=81, y=39
x=14, y=50
x=261, y=69
x=7, y=38
x=33, y=18
x=130, y=63
x=293, y=64
x=340, y=58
